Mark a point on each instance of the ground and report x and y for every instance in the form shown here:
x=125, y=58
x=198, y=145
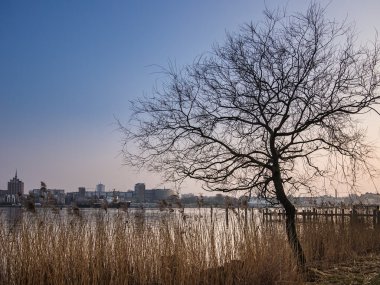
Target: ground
x=361, y=270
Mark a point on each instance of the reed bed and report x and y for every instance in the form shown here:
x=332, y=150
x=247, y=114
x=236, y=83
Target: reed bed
x=116, y=247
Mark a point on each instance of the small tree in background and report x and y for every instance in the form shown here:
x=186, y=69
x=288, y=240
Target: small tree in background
x=270, y=111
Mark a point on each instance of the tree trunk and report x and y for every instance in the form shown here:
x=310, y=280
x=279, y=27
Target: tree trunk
x=290, y=213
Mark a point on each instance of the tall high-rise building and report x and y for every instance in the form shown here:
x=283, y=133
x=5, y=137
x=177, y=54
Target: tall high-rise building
x=140, y=192
x=100, y=189
x=15, y=186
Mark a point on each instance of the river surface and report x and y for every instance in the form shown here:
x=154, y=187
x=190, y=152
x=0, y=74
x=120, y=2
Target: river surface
x=151, y=216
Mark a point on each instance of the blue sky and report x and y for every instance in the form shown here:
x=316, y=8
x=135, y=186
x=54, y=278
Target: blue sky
x=68, y=68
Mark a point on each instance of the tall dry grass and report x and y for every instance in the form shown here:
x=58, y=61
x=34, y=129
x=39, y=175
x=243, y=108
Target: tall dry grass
x=326, y=242
x=128, y=248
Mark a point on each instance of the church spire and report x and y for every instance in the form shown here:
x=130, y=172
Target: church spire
x=16, y=174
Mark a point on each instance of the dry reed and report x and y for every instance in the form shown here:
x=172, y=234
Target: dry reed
x=137, y=247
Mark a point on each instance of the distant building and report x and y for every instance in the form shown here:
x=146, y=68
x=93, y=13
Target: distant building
x=3, y=196
x=69, y=198
x=100, y=190
x=36, y=195
x=188, y=198
x=126, y=196
x=82, y=191
x=371, y=198
x=155, y=195
x=57, y=196
x=48, y=197
x=140, y=192
x=15, y=187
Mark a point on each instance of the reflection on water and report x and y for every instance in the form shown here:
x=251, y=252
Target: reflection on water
x=15, y=216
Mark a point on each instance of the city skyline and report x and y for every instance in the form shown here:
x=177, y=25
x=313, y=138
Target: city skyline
x=98, y=187
x=69, y=69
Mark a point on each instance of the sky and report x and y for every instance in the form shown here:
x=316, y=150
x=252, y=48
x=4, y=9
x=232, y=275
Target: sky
x=69, y=68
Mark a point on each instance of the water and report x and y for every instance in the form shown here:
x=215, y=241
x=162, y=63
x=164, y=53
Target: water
x=149, y=216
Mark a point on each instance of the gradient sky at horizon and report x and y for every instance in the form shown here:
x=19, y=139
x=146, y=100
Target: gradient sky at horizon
x=69, y=68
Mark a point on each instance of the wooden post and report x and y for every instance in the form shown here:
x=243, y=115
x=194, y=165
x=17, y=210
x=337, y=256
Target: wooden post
x=303, y=216
x=264, y=216
x=374, y=217
x=342, y=212
x=246, y=216
x=353, y=215
x=227, y=216
x=211, y=212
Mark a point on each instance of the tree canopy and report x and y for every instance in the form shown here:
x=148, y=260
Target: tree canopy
x=287, y=89
x=271, y=109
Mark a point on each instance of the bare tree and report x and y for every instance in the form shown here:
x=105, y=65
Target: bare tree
x=270, y=111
